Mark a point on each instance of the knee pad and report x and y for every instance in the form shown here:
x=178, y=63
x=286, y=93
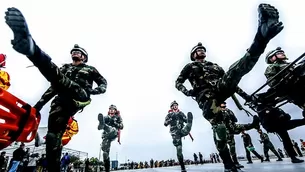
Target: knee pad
x=177, y=142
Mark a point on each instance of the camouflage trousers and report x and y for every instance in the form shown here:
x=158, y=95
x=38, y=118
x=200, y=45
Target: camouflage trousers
x=232, y=148
x=177, y=136
x=225, y=87
x=223, y=137
x=110, y=134
x=231, y=143
x=57, y=124
x=73, y=97
x=269, y=146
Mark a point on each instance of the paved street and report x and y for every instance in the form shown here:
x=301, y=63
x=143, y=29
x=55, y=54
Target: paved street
x=257, y=166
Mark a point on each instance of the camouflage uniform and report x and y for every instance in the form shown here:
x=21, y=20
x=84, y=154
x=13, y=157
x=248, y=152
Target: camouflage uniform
x=211, y=85
x=178, y=130
x=233, y=128
x=276, y=66
x=268, y=146
x=273, y=69
x=111, y=124
x=72, y=86
x=250, y=148
x=290, y=79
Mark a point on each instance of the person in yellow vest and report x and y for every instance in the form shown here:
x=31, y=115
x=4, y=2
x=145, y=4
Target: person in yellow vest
x=4, y=76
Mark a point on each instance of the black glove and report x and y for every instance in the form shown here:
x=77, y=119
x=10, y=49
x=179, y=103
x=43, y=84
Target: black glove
x=116, y=125
x=22, y=42
x=92, y=91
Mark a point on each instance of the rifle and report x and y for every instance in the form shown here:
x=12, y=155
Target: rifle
x=239, y=106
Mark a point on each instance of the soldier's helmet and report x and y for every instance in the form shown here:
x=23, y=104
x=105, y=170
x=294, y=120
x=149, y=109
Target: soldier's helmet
x=113, y=107
x=173, y=103
x=272, y=53
x=199, y=45
x=82, y=50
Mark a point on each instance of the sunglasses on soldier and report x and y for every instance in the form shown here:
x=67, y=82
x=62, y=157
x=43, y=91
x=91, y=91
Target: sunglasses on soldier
x=76, y=52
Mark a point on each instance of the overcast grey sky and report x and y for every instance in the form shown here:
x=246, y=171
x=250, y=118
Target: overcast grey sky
x=140, y=47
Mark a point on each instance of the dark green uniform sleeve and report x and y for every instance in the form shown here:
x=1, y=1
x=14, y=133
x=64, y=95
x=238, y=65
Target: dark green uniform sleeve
x=120, y=123
x=184, y=74
x=100, y=81
x=271, y=71
x=167, y=119
x=232, y=115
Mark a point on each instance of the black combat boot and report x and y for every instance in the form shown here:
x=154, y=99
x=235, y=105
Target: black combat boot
x=189, y=117
x=235, y=161
x=296, y=160
x=100, y=118
x=228, y=163
x=107, y=165
x=267, y=160
x=233, y=169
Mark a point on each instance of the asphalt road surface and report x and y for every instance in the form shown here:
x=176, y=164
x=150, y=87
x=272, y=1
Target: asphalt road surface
x=257, y=166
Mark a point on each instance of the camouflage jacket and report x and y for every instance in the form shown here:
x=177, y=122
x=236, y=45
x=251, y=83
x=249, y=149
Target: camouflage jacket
x=114, y=121
x=264, y=138
x=273, y=69
x=82, y=74
x=247, y=139
x=229, y=119
x=202, y=77
x=176, y=121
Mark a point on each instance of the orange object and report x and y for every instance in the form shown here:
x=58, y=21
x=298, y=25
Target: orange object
x=4, y=80
x=72, y=129
x=4, y=76
x=18, y=120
